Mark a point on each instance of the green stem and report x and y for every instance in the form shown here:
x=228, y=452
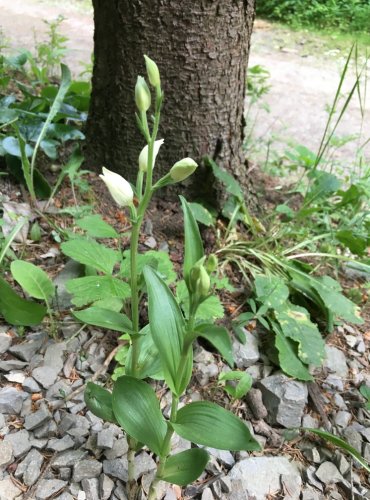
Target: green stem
x=166, y=449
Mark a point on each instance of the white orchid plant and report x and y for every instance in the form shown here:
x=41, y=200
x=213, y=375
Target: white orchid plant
x=163, y=349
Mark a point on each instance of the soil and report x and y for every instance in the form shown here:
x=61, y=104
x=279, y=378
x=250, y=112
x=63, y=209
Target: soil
x=305, y=70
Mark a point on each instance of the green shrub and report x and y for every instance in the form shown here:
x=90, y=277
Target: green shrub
x=338, y=14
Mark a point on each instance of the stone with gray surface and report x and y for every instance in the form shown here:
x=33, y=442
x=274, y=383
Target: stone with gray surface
x=284, y=399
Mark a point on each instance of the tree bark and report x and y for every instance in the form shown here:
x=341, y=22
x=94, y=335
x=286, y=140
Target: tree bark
x=201, y=48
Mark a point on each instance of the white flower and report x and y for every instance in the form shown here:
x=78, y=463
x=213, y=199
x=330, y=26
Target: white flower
x=119, y=188
x=143, y=157
x=182, y=169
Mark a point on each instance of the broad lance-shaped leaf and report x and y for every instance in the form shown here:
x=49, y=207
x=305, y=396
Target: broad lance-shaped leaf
x=193, y=242
x=91, y=253
x=136, y=409
x=185, y=467
x=18, y=311
x=96, y=227
x=149, y=362
x=167, y=326
x=104, y=318
x=99, y=402
x=219, y=337
x=295, y=323
x=271, y=291
x=288, y=359
x=33, y=280
x=211, y=425
x=91, y=288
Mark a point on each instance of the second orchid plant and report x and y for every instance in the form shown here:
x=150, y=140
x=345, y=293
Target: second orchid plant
x=163, y=349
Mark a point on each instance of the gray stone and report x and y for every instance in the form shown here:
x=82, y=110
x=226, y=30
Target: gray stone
x=65, y=473
x=30, y=467
x=91, y=488
x=39, y=444
x=116, y=468
x=6, y=453
x=11, y=401
x=119, y=449
x=366, y=452
x=30, y=385
x=339, y=401
x=313, y=455
x=342, y=419
x=9, y=491
x=74, y=425
x=68, y=458
x=2, y=421
x=38, y=418
x=59, y=390
x=64, y=496
x=247, y=354
x=63, y=298
x=207, y=494
x=291, y=485
x=5, y=342
x=20, y=442
x=54, y=356
x=310, y=474
x=48, y=487
x=144, y=464
x=342, y=463
x=285, y=400
x=47, y=430
x=12, y=364
x=106, y=486
x=353, y=438
x=65, y=443
x=120, y=492
x=86, y=469
x=310, y=493
x=15, y=377
x=105, y=439
x=45, y=375
x=335, y=382
x=27, y=350
x=260, y=476
x=255, y=403
x=223, y=456
x=335, y=361
x=310, y=422
x=329, y=474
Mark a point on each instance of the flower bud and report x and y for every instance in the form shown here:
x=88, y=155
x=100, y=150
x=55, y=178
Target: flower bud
x=120, y=190
x=142, y=94
x=143, y=157
x=199, y=281
x=182, y=169
x=152, y=71
x=212, y=263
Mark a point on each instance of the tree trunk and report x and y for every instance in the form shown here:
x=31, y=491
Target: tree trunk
x=201, y=48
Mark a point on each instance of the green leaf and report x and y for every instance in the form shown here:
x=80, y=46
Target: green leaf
x=201, y=214
x=90, y=288
x=330, y=292
x=243, y=386
x=104, y=318
x=365, y=391
x=91, y=253
x=357, y=243
x=136, y=408
x=193, y=242
x=271, y=292
x=149, y=361
x=185, y=467
x=231, y=184
x=99, y=401
x=158, y=260
x=167, y=326
x=324, y=184
x=219, y=337
x=295, y=323
x=17, y=311
x=211, y=425
x=288, y=359
x=210, y=309
x=96, y=227
x=341, y=444
x=12, y=147
x=33, y=280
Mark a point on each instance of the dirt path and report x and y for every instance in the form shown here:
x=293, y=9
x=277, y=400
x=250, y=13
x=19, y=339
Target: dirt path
x=304, y=75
